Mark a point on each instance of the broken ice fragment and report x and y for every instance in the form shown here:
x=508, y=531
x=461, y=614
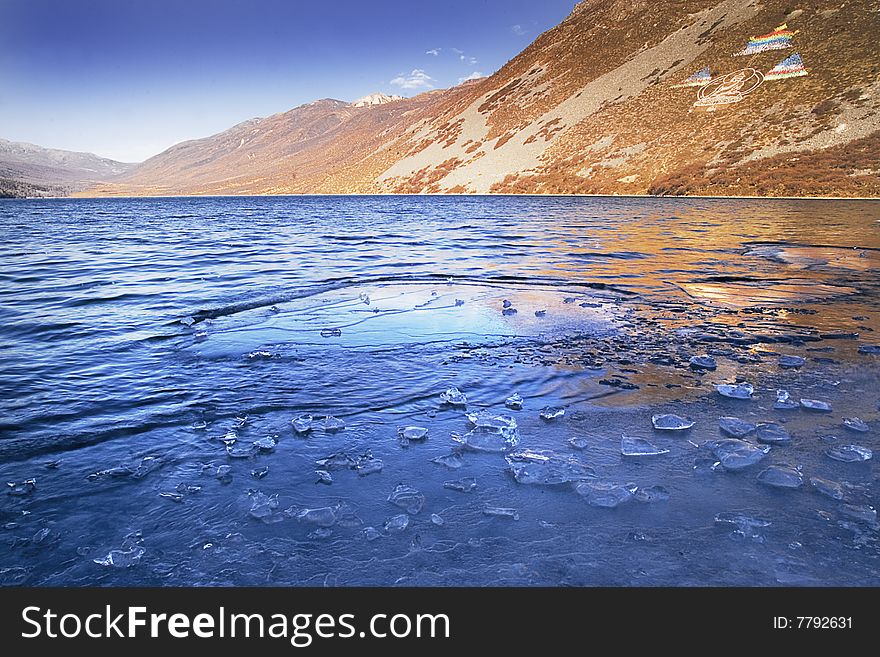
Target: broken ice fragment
x=453, y=397
x=266, y=444
x=303, y=424
x=514, y=402
x=407, y=498
x=411, y=434
x=491, y=433
x=791, y=362
x=23, y=488
x=772, y=433
x=122, y=558
x=781, y=476
x=437, y=520
x=465, y=485
x=333, y=424
x=745, y=525
x=240, y=450
x=733, y=426
x=324, y=516
x=630, y=446
x=855, y=424
x=605, y=495
x=259, y=473
x=367, y=465
x=551, y=412
x=579, y=442
x=670, y=422
x=338, y=461
x=784, y=402
x=703, y=363
x=370, y=533
x=174, y=497
x=224, y=474
x=397, y=523
x=815, y=405
x=735, y=454
x=501, y=512
x=828, y=488
x=652, y=494
x=863, y=512
x=331, y=332
x=263, y=507
x=453, y=460
x=850, y=453
x=869, y=349
x=324, y=477
x=735, y=390
x=545, y=468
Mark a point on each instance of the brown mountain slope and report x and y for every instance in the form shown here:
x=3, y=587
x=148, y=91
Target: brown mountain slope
x=589, y=107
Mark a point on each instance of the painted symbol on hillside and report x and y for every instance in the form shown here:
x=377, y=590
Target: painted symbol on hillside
x=729, y=89
x=790, y=67
x=698, y=79
x=778, y=39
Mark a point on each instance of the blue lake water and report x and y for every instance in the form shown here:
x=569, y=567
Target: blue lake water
x=146, y=344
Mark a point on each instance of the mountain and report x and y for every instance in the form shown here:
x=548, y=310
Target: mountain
x=29, y=170
x=377, y=98
x=598, y=105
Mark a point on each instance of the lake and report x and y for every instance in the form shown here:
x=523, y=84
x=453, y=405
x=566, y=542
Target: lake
x=156, y=352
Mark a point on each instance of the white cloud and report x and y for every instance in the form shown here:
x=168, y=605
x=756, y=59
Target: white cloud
x=472, y=60
x=457, y=51
x=517, y=30
x=433, y=51
x=416, y=79
x=462, y=57
x=473, y=76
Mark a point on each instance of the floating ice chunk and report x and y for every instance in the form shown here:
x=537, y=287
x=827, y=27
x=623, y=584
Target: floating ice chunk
x=259, y=473
x=815, y=405
x=338, y=461
x=702, y=363
x=201, y=425
x=407, y=498
x=579, y=442
x=492, y=422
x=465, y=485
x=670, y=422
x=733, y=426
x=406, y=435
x=605, y=495
x=23, y=488
x=453, y=397
x=545, y=468
x=791, y=362
x=735, y=454
x=784, y=402
x=652, y=494
x=551, y=412
x=855, y=424
x=514, y=402
x=453, y=460
x=371, y=533
x=331, y=332
x=735, y=390
x=324, y=516
x=397, y=523
x=187, y=488
x=303, y=424
x=224, y=474
x=773, y=434
x=367, y=465
x=828, y=488
x=630, y=446
x=437, y=520
x=188, y=321
x=260, y=355
x=745, y=525
x=870, y=349
x=850, y=453
x=240, y=450
x=266, y=444
x=122, y=558
x=346, y=517
x=324, y=477
x=862, y=512
x=491, y=433
x=501, y=512
x=264, y=507
x=174, y=497
x=781, y=476
x=333, y=424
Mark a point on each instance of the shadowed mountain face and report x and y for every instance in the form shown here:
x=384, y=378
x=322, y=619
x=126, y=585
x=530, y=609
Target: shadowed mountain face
x=28, y=170
x=594, y=105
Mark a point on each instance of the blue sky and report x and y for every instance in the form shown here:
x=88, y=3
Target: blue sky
x=128, y=78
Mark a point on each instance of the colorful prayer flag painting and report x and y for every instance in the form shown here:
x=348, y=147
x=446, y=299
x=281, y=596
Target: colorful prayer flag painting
x=778, y=39
x=790, y=67
x=698, y=79
x=728, y=89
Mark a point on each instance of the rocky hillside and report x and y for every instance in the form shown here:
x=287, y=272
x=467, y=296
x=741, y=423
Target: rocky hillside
x=594, y=105
x=29, y=170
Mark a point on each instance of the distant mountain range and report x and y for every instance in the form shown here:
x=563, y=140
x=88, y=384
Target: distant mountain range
x=29, y=170
x=713, y=97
